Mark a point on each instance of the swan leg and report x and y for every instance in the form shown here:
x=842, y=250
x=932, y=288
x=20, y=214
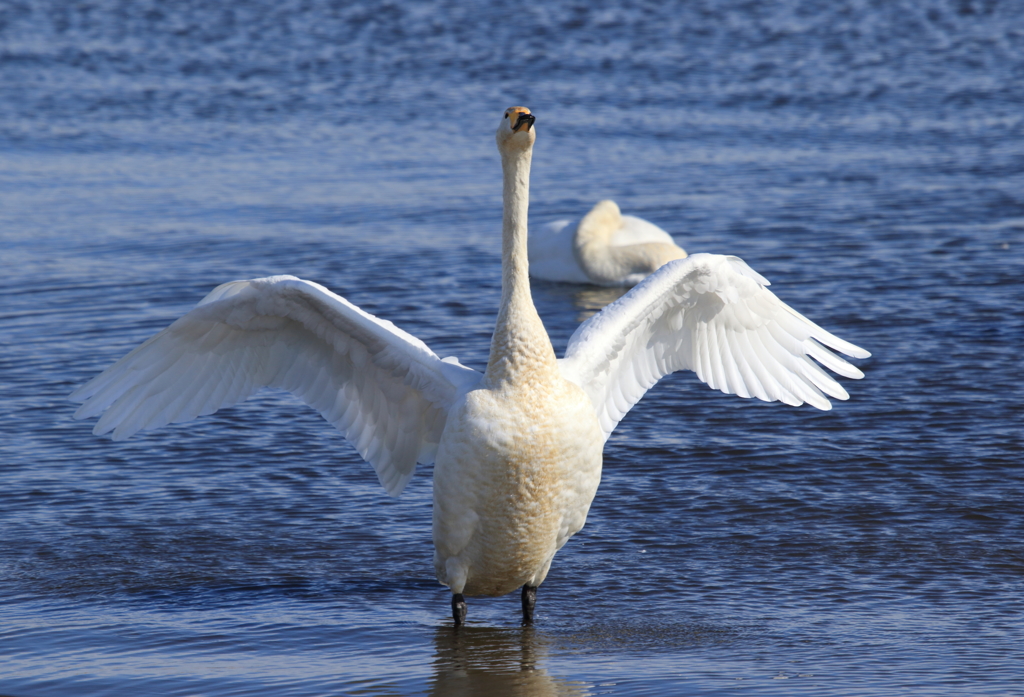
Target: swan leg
x=458, y=609
x=529, y=602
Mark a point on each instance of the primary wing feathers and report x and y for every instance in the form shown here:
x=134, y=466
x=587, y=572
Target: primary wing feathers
x=384, y=389
x=711, y=314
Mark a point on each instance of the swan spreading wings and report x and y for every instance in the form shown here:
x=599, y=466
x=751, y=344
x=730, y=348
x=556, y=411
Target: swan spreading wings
x=516, y=449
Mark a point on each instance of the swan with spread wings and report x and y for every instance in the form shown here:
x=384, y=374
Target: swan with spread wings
x=516, y=449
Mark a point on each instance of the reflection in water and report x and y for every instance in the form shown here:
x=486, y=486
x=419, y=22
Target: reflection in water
x=494, y=662
x=592, y=300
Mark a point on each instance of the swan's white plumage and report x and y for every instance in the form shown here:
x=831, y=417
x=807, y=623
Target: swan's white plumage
x=551, y=255
x=381, y=387
x=517, y=449
x=604, y=247
x=710, y=314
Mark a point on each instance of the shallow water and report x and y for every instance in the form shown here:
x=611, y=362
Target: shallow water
x=866, y=157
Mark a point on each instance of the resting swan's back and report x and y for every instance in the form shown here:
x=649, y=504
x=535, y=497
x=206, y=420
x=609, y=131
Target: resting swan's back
x=603, y=248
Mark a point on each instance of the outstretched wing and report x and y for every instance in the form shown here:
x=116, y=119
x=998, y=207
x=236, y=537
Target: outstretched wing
x=383, y=388
x=713, y=315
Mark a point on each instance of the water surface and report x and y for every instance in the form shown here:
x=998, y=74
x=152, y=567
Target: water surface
x=866, y=157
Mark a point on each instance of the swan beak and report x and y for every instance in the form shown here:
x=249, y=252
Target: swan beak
x=523, y=122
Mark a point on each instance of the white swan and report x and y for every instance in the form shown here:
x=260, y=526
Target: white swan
x=517, y=449
x=603, y=247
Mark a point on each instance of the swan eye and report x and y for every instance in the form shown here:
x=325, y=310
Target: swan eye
x=506, y=114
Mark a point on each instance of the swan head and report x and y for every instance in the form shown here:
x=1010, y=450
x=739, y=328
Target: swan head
x=516, y=132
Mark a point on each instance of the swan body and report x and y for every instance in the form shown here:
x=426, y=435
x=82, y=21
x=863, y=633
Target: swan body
x=515, y=475
x=516, y=449
x=602, y=248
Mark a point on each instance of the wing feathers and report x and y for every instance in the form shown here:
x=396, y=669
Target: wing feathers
x=711, y=314
x=155, y=394
x=831, y=360
x=750, y=380
x=381, y=387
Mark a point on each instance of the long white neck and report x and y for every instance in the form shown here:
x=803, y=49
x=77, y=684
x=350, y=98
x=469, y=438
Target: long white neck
x=520, y=346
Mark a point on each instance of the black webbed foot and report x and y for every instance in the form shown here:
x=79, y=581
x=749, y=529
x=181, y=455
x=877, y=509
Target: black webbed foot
x=459, y=609
x=529, y=602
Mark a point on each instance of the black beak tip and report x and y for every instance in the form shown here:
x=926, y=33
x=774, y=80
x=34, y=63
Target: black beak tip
x=528, y=119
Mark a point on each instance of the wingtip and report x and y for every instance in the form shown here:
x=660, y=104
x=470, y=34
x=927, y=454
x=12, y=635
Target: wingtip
x=842, y=345
x=85, y=411
x=824, y=404
x=79, y=395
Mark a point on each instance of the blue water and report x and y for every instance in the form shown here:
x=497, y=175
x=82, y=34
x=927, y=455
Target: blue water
x=866, y=157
